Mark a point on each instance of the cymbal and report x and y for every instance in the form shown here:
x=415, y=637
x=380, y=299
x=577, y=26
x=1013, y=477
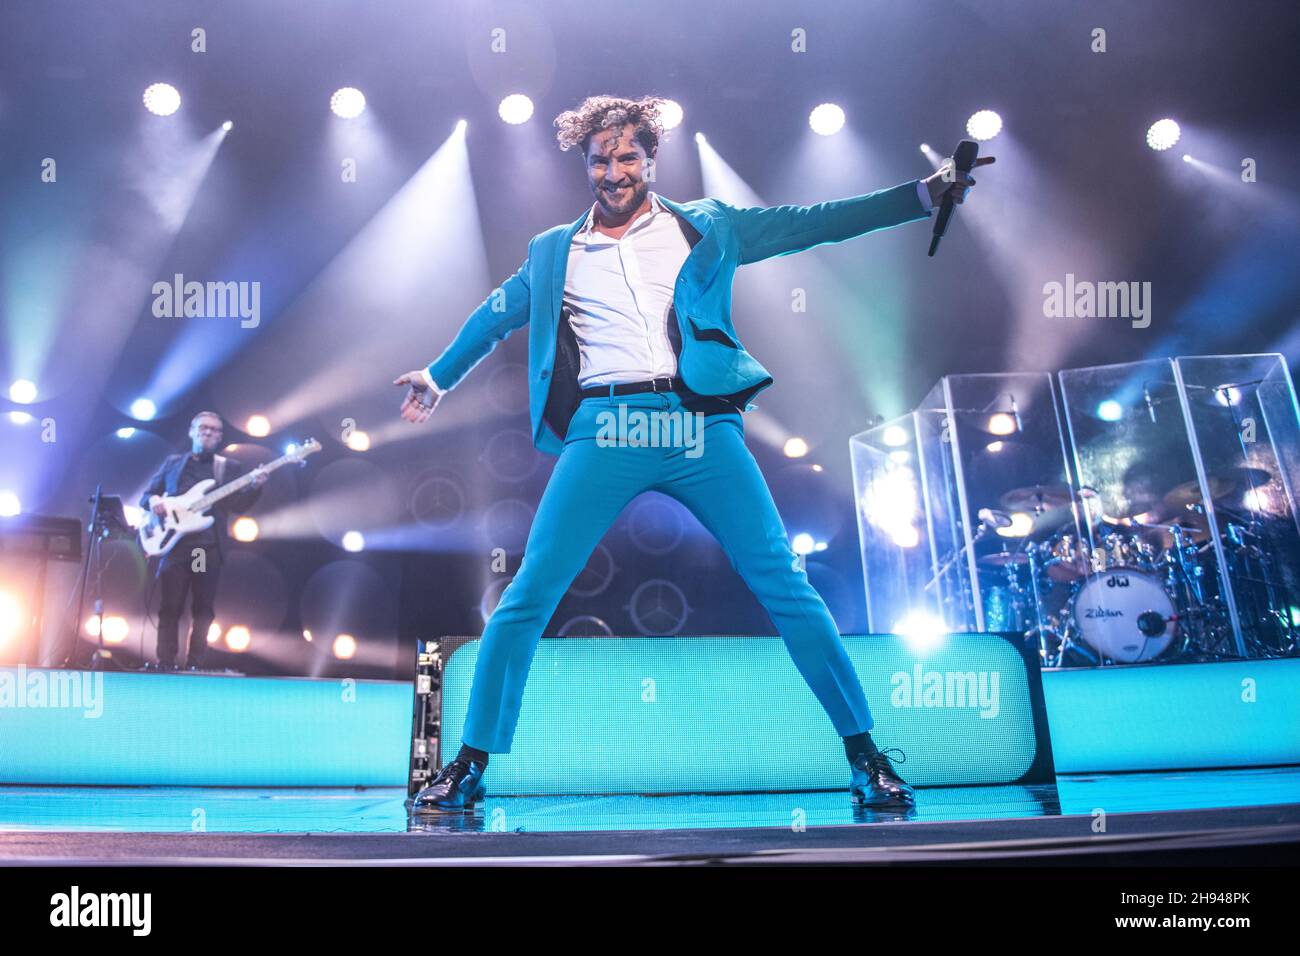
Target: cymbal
x=1048, y=523
x=1000, y=559
x=1189, y=492
x=1034, y=498
x=1222, y=484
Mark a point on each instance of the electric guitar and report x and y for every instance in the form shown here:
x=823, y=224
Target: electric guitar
x=186, y=513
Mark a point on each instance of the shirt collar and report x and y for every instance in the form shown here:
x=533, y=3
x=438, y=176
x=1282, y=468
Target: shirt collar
x=588, y=227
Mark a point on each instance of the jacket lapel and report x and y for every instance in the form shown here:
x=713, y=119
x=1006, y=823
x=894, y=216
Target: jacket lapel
x=705, y=256
x=561, y=265
x=174, y=473
x=699, y=267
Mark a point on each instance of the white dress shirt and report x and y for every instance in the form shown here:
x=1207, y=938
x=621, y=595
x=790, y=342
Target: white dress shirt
x=620, y=291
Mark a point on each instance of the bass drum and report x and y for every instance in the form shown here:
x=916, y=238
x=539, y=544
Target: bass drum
x=1106, y=611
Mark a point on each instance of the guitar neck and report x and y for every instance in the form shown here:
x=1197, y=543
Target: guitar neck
x=236, y=486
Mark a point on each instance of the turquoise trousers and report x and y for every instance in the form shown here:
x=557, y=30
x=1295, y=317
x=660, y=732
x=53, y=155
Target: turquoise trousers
x=610, y=456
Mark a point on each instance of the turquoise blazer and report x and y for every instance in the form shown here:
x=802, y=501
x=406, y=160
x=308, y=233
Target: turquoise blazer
x=711, y=359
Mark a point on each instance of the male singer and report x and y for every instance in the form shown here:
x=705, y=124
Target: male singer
x=179, y=573
x=630, y=305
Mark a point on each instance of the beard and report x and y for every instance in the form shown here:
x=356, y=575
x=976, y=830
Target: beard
x=636, y=196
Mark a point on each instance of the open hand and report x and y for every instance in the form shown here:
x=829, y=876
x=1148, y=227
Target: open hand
x=420, y=400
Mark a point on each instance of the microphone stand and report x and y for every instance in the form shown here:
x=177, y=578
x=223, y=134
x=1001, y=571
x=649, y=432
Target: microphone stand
x=102, y=658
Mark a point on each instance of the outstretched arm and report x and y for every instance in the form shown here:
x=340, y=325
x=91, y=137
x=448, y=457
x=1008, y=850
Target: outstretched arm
x=503, y=311
x=766, y=231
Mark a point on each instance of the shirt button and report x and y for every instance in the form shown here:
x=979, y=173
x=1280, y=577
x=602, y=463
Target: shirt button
x=546, y=374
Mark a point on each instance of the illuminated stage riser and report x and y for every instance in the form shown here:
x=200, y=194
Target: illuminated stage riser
x=695, y=714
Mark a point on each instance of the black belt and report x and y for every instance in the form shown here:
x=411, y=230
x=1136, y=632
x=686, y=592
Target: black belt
x=664, y=384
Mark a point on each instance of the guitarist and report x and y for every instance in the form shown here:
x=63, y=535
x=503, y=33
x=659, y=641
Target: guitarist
x=182, y=570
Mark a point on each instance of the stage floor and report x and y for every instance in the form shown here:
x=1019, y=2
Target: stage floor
x=1106, y=814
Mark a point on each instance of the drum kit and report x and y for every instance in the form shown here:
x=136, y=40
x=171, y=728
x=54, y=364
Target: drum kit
x=1095, y=588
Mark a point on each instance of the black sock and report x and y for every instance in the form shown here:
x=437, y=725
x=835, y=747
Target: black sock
x=859, y=744
x=469, y=753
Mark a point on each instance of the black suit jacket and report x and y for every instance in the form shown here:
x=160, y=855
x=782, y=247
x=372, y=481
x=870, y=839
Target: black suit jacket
x=166, y=481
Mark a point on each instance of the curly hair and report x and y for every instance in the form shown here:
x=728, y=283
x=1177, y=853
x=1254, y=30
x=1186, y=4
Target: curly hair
x=576, y=127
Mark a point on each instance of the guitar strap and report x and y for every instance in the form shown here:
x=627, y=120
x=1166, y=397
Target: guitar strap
x=219, y=469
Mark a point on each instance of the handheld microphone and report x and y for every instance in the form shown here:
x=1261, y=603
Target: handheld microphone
x=964, y=159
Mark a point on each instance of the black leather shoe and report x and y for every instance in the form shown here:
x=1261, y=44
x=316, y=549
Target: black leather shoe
x=456, y=789
x=875, y=784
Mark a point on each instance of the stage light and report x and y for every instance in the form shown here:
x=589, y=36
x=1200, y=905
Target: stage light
x=671, y=114
x=134, y=515
x=359, y=441
x=306, y=635
x=1002, y=424
x=895, y=435
x=925, y=147
x=921, y=630
x=995, y=446
x=11, y=618
x=258, y=426
x=461, y=126
x=227, y=126
x=795, y=448
x=20, y=418
x=214, y=632
x=1257, y=499
x=905, y=535
x=515, y=109
x=699, y=138
x=162, y=99
x=238, y=638
x=348, y=102
x=1163, y=134
x=143, y=410
x=10, y=506
x=1110, y=410
x=290, y=448
x=1021, y=525
x=354, y=541
x=826, y=119
x=116, y=629
x=1187, y=158
x=244, y=529
x=23, y=392
x=1227, y=395
x=125, y=432
x=984, y=125
x=345, y=647
x=802, y=543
